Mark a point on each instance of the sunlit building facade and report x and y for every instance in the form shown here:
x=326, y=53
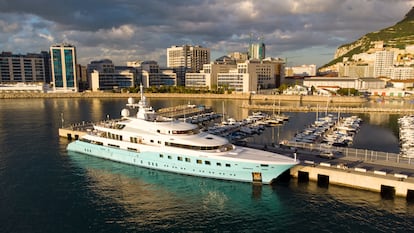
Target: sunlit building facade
x=16, y=68
x=63, y=64
x=187, y=59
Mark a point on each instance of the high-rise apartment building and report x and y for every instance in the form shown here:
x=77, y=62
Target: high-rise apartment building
x=187, y=58
x=22, y=68
x=383, y=60
x=63, y=62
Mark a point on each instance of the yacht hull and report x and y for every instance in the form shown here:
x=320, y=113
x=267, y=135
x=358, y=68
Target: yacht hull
x=225, y=169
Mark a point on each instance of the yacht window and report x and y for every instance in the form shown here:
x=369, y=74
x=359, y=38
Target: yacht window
x=227, y=165
x=218, y=164
x=161, y=156
x=119, y=126
x=222, y=148
x=199, y=161
x=191, y=131
x=207, y=162
x=169, y=156
x=179, y=158
x=187, y=159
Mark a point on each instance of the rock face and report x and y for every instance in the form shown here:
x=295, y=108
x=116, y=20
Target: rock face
x=344, y=49
x=397, y=36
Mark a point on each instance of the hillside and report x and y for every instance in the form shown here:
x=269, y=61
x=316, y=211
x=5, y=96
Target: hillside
x=396, y=36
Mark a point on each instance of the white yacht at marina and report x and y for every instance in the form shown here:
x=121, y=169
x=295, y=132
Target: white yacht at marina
x=406, y=124
x=161, y=143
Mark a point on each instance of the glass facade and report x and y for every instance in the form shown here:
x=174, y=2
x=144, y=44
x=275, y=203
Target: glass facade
x=57, y=68
x=64, y=67
x=70, y=73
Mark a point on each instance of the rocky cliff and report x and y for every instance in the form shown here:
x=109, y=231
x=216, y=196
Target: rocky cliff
x=396, y=36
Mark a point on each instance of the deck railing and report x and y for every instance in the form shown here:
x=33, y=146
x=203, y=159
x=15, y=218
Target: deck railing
x=359, y=154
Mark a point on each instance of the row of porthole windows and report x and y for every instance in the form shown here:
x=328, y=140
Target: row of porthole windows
x=175, y=167
x=199, y=161
x=151, y=164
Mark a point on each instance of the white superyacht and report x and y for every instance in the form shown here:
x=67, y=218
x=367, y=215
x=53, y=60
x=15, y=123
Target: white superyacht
x=152, y=141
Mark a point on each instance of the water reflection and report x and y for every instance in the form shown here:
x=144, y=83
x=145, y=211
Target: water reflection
x=156, y=197
x=151, y=198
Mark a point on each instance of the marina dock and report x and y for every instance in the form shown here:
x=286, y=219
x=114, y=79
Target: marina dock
x=389, y=185
x=386, y=173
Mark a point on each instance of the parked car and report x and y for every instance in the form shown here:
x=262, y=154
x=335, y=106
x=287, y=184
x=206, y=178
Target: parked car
x=327, y=154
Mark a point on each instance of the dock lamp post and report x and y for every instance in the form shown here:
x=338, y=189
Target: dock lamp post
x=61, y=118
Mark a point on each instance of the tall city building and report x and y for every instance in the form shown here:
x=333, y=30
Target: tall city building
x=383, y=60
x=257, y=51
x=22, y=68
x=248, y=76
x=187, y=58
x=63, y=63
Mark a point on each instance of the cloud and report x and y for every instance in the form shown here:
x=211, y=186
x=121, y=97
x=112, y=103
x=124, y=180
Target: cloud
x=136, y=29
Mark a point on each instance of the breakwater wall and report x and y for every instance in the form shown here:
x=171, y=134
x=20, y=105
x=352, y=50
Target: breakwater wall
x=269, y=107
x=235, y=96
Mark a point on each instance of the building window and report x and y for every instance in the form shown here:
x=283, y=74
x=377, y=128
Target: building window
x=199, y=161
x=161, y=156
x=180, y=158
x=218, y=164
x=207, y=162
x=187, y=159
x=227, y=165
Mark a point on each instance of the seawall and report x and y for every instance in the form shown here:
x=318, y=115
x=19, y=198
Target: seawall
x=236, y=96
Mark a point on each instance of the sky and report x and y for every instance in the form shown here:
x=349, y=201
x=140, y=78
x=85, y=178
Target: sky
x=301, y=31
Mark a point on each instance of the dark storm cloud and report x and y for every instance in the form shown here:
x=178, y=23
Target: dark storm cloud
x=131, y=29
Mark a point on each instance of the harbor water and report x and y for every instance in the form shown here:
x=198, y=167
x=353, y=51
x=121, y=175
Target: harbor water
x=43, y=188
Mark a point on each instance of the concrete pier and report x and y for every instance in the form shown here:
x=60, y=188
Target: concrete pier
x=70, y=133
x=388, y=184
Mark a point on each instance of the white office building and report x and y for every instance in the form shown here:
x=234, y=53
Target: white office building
x=300, y=71
x=246, y=77
x=187, y=59
x=105, y=76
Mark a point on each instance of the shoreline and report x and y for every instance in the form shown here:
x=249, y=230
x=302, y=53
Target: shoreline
x=256, y=97
x=338, y=99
